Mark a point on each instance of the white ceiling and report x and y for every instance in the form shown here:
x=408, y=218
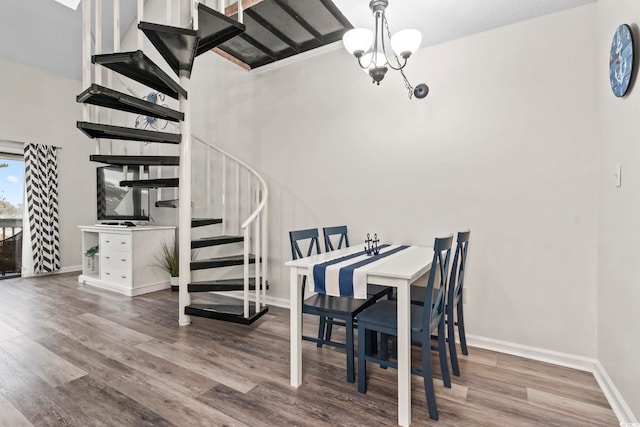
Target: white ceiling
x=444, y=20
x=47, y=35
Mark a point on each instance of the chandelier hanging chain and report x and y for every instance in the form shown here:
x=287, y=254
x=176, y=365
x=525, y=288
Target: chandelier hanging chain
x=404, y=77
x=384, y=50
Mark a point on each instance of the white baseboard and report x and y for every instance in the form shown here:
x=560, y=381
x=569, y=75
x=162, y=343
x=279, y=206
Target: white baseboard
x=535, y=353
x=71, y=269
x=617, y=402
x=68, y=269
x=615, y=399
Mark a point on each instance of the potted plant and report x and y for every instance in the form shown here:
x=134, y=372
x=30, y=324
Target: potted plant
x=91, y=254
x=169, y=261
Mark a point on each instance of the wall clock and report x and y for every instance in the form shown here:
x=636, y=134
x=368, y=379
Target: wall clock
x=621, y=60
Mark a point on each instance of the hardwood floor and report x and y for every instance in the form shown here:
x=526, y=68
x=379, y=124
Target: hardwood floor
x=76, y=356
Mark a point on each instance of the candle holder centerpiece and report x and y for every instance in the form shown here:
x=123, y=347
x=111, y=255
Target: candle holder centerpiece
x=372, y=247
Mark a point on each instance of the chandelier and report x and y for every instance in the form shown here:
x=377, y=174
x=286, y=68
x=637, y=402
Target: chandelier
x=374, y=54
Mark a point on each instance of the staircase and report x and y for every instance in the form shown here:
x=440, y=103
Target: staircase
x=241, y=196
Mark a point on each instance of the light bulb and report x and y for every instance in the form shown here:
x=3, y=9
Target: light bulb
x=357, y=40
x=406, y=42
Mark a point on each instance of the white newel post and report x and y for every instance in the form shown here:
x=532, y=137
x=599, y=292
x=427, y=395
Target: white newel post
x=184, y=210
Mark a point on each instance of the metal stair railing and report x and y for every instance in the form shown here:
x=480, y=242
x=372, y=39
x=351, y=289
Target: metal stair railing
x=254, y=227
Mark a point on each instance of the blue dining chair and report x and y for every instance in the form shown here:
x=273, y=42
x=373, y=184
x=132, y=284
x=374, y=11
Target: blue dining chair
x=326, y=306
x=454, y=311
x=382, y=317
x=373, y=291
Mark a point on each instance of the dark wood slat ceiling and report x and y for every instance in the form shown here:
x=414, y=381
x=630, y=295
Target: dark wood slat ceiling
x=278, y=29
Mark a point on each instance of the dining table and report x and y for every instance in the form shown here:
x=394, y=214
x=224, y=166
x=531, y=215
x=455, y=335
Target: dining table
x=399, y=270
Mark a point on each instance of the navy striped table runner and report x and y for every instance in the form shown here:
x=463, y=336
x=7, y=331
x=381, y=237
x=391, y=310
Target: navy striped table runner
x=346, y=276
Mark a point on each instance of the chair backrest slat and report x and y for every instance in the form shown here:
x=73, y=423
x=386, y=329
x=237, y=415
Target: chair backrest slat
x=434, y=308
x=456, y=282
x=295, y=237
x=335, y=231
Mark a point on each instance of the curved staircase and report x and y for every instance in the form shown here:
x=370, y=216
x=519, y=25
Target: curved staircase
x=179, y=47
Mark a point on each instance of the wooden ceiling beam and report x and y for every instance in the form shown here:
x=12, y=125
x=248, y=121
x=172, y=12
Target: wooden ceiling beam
x=231, y=58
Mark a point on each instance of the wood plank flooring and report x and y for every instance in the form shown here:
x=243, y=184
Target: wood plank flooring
x=73, y=355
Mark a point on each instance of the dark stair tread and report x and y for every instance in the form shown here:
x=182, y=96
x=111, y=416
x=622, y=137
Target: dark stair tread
x=226, y=312
x=215, y=28
x=215, y=241
x=167, y=203
x=105, y=97
x=176, y=45
x=218, y=262
x=136, y=160
x=97, y=130
x=151, y=183
x=137, y=66
x=222, y=285
x=201, y=222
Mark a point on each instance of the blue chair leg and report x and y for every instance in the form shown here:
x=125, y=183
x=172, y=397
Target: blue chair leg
x=384, y=348
x=362, y=360
x=428, y=381
x=373, y=344
x=463, y=337
x=442, y=353
x=329, y=328
x=451, y=338
x=321, y=329
x=351, y=375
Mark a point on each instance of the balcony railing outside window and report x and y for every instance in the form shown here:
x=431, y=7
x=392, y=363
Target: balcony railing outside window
x=10, y=247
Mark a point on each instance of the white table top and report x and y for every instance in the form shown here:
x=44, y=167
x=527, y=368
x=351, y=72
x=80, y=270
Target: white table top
x=408, y=264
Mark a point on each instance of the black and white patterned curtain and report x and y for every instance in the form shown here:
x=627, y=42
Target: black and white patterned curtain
x=41, y=180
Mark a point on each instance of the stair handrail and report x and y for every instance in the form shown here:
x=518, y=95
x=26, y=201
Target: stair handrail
x=263, y=183
x=265, y=189
x=261, y=235
x=260, y=239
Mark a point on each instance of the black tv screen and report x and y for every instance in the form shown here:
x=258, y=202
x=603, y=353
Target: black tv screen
x=121, y=203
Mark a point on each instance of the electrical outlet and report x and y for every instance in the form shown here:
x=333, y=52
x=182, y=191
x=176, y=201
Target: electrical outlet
x=464, y=295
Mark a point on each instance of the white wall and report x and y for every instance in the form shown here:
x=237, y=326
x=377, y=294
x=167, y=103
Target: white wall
x=40, y=107
x=505, y=143
x=618, y=250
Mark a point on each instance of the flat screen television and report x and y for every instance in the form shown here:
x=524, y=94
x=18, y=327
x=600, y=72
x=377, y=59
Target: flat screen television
x=116, y=203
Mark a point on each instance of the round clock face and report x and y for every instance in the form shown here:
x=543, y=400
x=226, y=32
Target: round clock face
x=621, y=60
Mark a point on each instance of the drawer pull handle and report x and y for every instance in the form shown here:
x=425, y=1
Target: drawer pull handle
x=108, y=257
x=123, y=243
x=107, y=273
x=124, y=277
x=123, y=260
x=107, y=241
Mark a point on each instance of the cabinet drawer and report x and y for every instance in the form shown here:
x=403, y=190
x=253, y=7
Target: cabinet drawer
x=118, y=277
x=116, y=261
x=115, y=242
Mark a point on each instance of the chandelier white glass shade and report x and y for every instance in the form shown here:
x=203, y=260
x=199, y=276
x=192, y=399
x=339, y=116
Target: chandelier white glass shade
x=378, y=51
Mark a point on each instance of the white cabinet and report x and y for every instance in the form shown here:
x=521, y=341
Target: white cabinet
x=126, y=258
